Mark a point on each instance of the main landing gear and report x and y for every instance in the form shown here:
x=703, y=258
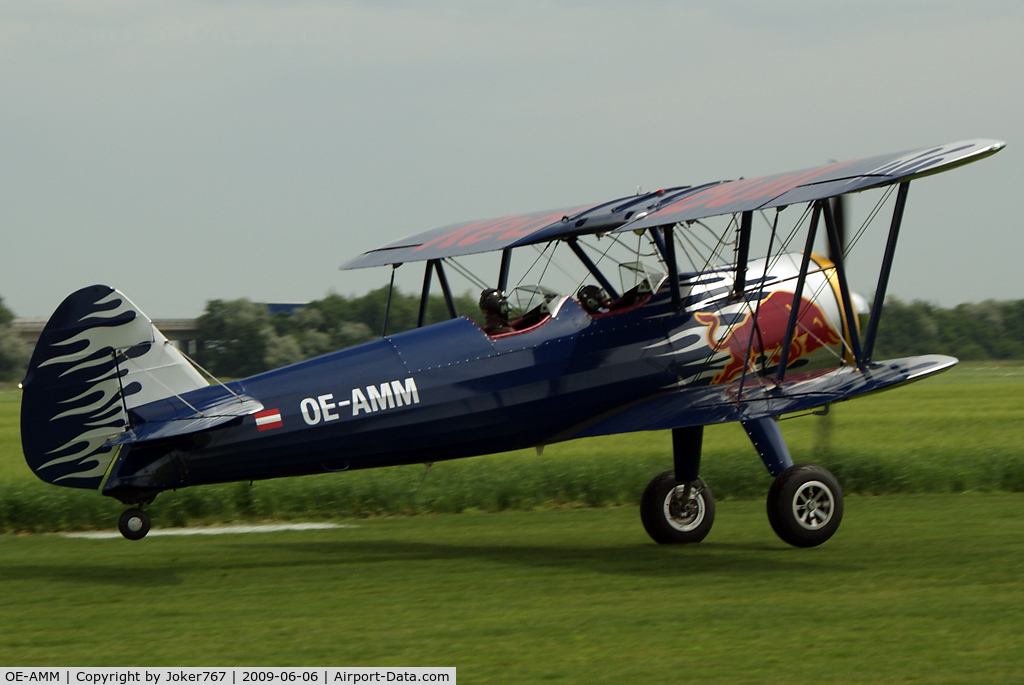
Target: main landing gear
x=805, y=502
x=805, y=505
x=677, y=513
x=677, y=506
x=133, y=523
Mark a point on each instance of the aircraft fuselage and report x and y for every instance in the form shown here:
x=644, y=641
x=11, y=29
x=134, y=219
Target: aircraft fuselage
x=448, y=390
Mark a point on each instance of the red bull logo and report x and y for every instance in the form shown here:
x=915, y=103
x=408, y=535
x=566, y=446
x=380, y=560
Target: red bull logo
x=812, y=333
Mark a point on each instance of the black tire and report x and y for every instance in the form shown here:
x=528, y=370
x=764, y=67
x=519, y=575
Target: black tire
x=805, y=505
x=667, y=519
x=133, y=524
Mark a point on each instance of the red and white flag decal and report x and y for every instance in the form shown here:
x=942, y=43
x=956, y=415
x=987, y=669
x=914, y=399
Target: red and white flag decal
x=265, y=420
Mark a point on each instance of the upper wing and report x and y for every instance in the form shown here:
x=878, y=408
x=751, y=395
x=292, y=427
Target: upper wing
x=672, y=205
x=510, y=231
x=818, y=183
x=465, y=238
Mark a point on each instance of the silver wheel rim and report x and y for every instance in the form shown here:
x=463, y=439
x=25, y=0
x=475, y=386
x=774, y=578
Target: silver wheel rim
x=813, y=505
x=684, y=517
x=135, y=524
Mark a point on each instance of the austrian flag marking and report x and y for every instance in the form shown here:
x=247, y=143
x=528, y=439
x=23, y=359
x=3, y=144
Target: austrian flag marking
x=265, y=420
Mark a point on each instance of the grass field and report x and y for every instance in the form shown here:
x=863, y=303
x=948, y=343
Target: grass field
x=921, y=588
x=913, y=588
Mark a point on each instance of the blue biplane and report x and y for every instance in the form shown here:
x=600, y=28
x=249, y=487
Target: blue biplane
x=702, y=330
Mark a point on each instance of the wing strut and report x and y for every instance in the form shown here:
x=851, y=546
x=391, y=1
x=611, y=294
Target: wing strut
x=443, y=280
x=387, y=307
x=794, y=311
x=425, y=294
x=658, y=241
x=883, y=274
x=435, y=265
x=844, y=286
x=760, y=298
x=506, y=264
x=574, y=245
x=669, y=249
x=665, y=240
x=742, y=254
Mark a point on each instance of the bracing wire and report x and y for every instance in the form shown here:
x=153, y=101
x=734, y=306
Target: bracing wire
x=212, y=377
x=710, y=251
x=466, y=273
x=557, y=265
x=871, y=217
x=596, y=263
x=164, y=385
x=682, y=247
x=789, y=238
x=849, y=247
x=527, y=273
x=550, y=258
x=714, y=253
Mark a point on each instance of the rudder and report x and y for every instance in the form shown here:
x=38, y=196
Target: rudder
x=97, y=358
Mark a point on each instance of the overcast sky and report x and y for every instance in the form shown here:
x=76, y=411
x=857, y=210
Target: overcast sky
x=186, y=151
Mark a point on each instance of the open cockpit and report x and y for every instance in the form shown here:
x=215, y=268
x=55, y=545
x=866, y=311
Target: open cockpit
x=530, y=306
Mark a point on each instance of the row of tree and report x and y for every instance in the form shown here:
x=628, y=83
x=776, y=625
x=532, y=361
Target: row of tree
x=239, y=338
x=971, y=332
x=14, y=353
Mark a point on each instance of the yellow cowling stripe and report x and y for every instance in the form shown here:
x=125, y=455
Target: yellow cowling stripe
x=829, y=269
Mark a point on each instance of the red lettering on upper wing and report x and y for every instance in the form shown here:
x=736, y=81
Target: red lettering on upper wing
x=764, y=188
x=509, y=227
x=502, y=229
x=448, y=239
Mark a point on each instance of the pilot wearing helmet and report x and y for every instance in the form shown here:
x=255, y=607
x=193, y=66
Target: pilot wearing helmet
x=594, y=300
x=494, y=305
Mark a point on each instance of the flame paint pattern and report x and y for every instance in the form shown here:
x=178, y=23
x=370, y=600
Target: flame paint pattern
x=80, y=384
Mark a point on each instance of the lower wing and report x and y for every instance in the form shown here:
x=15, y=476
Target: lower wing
x=760, y=397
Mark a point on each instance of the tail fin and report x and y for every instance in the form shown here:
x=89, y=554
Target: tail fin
x=97, y=358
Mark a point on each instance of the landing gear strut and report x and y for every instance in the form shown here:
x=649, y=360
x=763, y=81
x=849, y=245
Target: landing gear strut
x=677, y=506
x=133, y=524
x=805, y=503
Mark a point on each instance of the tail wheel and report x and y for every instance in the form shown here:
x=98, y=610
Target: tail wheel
x=133, y=524
x=805, y=505
x=674, y=513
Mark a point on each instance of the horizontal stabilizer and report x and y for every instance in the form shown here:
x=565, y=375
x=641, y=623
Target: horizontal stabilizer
x=202, y=413
x=762, y=397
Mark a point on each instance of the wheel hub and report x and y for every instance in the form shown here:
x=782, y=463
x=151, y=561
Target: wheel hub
x=684, y=514
x=813, y=505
